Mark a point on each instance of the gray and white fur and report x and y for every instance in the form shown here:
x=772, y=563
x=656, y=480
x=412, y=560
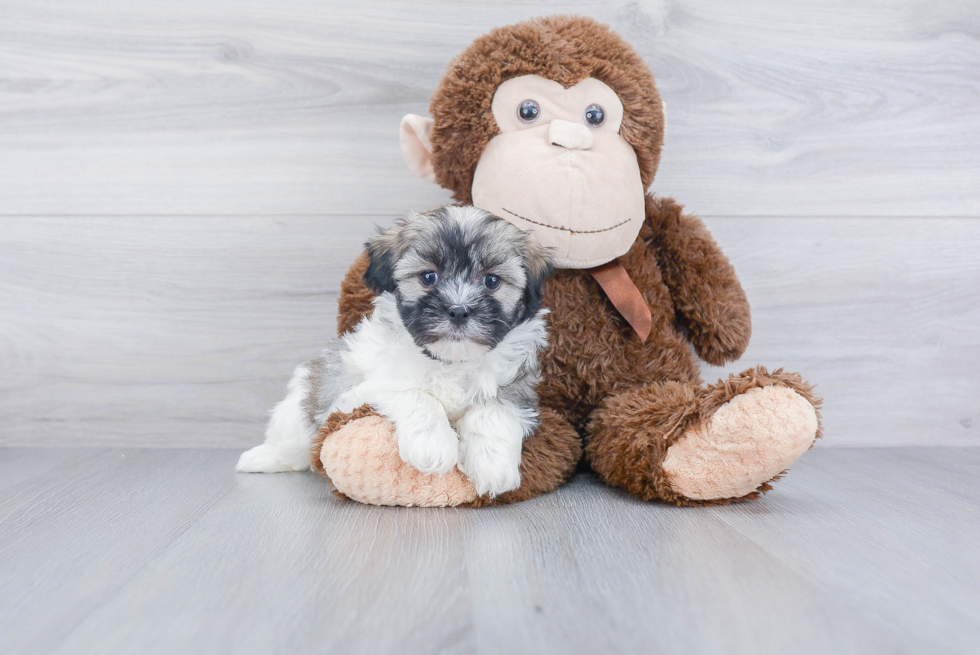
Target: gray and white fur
x=448, y=355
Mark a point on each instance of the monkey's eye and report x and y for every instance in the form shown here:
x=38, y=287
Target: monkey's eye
x=428, y=278
x=491, y=281
x=594, y=115
x=529, y=110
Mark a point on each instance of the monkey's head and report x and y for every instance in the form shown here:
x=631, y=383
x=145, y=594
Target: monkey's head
x=554, y=124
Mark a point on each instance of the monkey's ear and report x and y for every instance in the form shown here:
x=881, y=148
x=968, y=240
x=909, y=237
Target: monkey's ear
x=380, y=274
x=415, y=135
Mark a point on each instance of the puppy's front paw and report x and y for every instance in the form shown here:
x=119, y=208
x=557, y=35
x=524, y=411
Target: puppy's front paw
x=491, y=470
x=434, y=451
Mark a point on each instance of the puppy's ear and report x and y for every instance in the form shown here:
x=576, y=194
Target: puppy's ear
x=381, y=250
x=538, y=266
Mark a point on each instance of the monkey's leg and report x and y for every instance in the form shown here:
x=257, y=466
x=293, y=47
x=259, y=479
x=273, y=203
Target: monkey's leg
x=689, y=445
x=359, y=454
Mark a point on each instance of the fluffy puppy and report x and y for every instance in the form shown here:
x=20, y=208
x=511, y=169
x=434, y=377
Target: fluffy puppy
x=449, y=354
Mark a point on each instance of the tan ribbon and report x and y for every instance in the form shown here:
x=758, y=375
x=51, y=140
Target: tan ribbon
x=625, y=297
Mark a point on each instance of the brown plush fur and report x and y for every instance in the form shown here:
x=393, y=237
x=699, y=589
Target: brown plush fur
x=630, y=400
x=639, y=425
x=574, y=49
x=593, y=352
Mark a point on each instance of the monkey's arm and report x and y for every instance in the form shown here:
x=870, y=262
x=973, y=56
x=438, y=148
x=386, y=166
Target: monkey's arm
x=355, y=298
x=706, y=293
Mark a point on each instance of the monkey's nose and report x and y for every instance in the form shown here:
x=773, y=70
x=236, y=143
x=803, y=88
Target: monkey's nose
x=569, y=135
x=458, y=314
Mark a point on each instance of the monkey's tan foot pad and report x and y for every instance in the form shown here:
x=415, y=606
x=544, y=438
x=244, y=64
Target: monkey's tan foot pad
x=361, y=459
x=746, y=442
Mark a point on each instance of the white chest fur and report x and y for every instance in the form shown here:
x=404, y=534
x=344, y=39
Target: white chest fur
x=383, y=360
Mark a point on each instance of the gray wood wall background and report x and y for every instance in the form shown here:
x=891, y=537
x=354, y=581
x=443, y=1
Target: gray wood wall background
x=182, y=184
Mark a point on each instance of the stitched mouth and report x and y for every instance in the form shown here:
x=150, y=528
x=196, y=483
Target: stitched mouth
x=568, y=229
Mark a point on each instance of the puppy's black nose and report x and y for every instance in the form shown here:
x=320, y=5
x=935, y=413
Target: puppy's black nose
x=458, y=314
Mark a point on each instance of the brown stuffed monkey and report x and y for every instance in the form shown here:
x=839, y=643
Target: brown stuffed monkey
x=556, y=125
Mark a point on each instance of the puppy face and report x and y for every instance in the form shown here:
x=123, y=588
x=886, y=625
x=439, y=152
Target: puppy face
x=462, y=278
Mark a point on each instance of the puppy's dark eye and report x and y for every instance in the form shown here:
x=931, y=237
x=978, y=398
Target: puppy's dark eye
x=529, y=110
x=491, y=281
x=428, y=278
x=594, y=115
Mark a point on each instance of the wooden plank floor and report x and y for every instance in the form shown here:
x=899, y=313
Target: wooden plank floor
x=163, y=551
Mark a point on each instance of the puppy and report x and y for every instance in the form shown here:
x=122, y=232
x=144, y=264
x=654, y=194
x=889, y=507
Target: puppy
x=449, y=354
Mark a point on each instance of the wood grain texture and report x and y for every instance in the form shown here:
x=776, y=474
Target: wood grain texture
x=184, y=331
x=883, y=315
x=220, y=107
x=162, y=551
x=855, y=498
x=84, y=526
